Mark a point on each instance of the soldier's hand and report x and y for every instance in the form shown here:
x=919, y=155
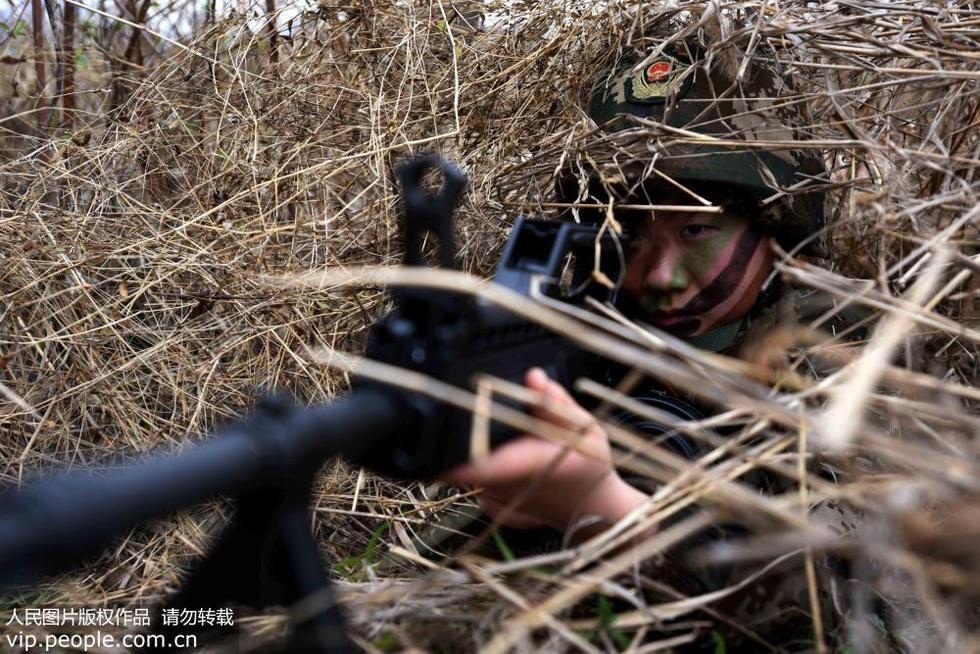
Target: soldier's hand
x=531, y=482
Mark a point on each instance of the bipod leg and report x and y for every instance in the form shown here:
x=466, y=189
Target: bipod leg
x=267, y=557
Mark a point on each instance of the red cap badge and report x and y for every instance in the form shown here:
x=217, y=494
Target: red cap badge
x=658, y=71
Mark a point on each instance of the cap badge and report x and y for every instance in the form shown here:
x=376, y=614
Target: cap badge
x=654, y=82
x=657, y=72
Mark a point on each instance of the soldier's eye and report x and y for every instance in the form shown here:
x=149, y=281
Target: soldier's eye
x=698, y=231
x=633, y=239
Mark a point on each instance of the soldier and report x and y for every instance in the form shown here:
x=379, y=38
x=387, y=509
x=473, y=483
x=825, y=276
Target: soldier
x=700, y=275
x=704, y=275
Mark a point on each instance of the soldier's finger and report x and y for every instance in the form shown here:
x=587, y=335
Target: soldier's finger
x=517, y=460
x=559, y=406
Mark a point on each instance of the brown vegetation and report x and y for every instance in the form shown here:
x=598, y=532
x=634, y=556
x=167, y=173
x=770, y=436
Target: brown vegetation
x=139, y=233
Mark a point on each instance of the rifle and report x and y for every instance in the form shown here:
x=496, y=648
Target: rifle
x=267, y=462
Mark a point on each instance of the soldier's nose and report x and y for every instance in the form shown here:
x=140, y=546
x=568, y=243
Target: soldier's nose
x=666, y=273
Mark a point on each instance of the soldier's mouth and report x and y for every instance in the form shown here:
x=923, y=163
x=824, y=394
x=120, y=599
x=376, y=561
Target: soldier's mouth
x=679, y=323
x=671, y=316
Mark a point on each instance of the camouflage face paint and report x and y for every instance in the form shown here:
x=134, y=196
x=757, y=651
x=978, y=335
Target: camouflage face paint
x=695, y=272
x=701, y=257
x=735, y=264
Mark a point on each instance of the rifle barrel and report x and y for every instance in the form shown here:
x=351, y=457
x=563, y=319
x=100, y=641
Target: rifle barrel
x=58, y=520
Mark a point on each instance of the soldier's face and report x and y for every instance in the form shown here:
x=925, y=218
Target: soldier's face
x=692, y=272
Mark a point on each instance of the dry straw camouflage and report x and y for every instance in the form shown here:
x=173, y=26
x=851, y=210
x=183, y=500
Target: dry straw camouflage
x=730, y=140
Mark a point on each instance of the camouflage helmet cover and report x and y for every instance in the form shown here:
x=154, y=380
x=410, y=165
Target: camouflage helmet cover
x=708, y=125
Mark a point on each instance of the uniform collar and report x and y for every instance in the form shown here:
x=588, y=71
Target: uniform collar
x=721, y=338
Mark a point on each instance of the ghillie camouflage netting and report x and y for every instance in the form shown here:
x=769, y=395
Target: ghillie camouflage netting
x=149, y=285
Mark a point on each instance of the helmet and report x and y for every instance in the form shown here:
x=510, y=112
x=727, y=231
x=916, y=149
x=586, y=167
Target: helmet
x=727, y=140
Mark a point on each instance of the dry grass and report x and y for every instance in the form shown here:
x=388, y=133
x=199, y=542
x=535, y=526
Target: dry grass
x=136, y=308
